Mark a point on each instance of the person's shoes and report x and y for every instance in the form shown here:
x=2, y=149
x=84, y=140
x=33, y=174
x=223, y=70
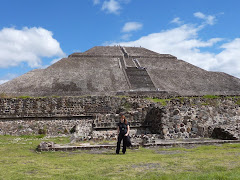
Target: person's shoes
x=117, y=152
x=123, y=152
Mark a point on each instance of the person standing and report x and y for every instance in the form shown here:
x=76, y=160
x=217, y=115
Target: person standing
x=122, y=131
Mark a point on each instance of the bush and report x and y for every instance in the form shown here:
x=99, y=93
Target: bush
x=66, y=131
x=73, y=130
x=42, y=131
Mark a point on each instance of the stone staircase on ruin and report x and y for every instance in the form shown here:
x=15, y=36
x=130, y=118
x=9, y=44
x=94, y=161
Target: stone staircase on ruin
x=136, y=75
x=139, y=79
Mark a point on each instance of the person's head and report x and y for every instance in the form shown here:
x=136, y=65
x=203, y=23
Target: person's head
x=123, y=119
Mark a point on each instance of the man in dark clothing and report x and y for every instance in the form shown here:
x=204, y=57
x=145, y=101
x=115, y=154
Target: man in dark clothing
x=123, y=131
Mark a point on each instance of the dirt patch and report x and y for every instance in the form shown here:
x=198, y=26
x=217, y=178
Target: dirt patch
x=100, y=151
x=147, y=166
x=32, y=172
x=170, y=152
x=92, y=151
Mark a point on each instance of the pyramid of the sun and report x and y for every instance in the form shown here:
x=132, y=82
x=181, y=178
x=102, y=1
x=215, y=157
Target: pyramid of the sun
x=107, y=70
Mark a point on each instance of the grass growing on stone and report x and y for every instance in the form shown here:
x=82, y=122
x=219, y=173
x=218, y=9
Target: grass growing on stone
x=3, y=95
x=156, y=100
x=211, y=97
x=19, y=160
x=127, y=106
x=122, y=96
x=238, y=102
x=24, y=97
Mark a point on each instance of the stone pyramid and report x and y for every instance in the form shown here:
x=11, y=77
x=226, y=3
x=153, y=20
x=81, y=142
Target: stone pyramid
x=111, y=70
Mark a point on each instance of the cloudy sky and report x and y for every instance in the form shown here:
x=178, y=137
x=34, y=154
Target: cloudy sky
x=37, y=33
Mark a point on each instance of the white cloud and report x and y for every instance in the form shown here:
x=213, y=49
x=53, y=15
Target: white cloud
x=3, y=81
x=182, y=42
x=27, y=45
x=185, y=43
x=209, y=19
x=199, y=15
x=7, y=77
x=126, y=37
x=228, y=59
x=132, y=26
x=177, y=21
x=55, y=60
x=95, y=2
x=111, y=6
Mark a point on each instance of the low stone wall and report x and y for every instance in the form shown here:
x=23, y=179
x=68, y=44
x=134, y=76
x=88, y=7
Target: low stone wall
x=53, y=126
x=196, y=117
x=59, y=115
x=62, y=106
x=96, y=117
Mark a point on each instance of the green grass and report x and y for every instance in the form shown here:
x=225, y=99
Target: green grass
x=24, y=97
x=19, y=160
x=238, y=102
x=182, y=99
x=127, y=106
x=211, y=97
x=163, y=102
x=204, y=104
x=55, y=96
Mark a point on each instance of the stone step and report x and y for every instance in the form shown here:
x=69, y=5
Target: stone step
x=192, y=142
x=56, y=147
x=139, y=78
x=129, y=62
x=113, y=125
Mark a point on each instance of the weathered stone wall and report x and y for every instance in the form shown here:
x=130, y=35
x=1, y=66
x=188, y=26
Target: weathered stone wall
x=96, y=117
x=49, y=107
x=196, y=117
x=60, y=115
x=51, y=127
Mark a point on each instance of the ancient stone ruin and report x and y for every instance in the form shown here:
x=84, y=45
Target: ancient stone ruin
x=111, y=70
x=145, y=86
x=95, y=117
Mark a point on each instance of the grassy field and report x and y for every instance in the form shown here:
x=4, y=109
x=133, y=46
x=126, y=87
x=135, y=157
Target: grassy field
x=19, y=160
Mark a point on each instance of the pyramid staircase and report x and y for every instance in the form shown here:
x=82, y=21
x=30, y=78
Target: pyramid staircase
x=139, y=79
x=137, y=76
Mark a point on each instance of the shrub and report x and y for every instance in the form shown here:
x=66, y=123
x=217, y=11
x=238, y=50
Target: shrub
x=65, y=131
x=127, y=105
x=42, y=131
x=73, y=130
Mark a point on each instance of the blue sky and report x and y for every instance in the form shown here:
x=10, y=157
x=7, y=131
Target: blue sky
x=36, y=33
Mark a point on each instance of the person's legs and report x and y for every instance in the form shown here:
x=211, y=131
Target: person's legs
x=124, y=144
x=118, y=143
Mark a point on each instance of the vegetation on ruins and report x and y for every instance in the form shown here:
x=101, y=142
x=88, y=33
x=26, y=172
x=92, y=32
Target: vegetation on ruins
x=163, y=102
x=3, y=95
x=208, y=99
x=208, y=96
